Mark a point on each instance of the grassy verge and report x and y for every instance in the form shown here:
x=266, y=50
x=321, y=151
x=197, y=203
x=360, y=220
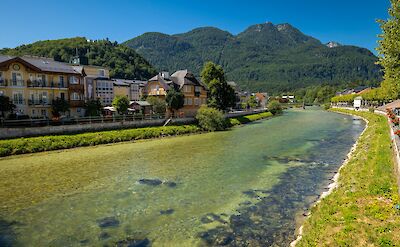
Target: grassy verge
x=249, y=118
x=49, y=143
x=361, y=211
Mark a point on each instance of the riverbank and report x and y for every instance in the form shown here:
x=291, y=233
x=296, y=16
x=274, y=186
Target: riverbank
x=361, y=211
x=50, y=143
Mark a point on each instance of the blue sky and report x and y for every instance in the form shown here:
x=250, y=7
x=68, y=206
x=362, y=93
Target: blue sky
x=346, y=21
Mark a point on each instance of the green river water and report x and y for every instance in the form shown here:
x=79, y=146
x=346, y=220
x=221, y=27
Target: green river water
x=244, y=187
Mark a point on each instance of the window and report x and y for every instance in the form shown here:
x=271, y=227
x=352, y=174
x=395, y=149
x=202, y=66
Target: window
x=41, y=78
x=1, y=93
x=75, y=96
x=196, y=101
x=102, y=72
x=18, y=98
x=61, y=81
x=197, y=89
x=187, y=88
x=62, y=96
x=1, y=76
x=44, y=112
x=73, y=80
x=17, y=79
x=189, y=101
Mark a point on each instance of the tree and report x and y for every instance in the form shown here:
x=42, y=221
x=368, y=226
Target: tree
x=210, y=119
x=59, y=106
x=389, y=49
x=175, y=100
x=121, y=104
x=159, y=105
x=5, y=105
x=221, y=95
x=93, y=107
x=275, y=107
x=252, y=101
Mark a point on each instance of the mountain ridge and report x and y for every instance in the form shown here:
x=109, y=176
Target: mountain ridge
x=262, y=57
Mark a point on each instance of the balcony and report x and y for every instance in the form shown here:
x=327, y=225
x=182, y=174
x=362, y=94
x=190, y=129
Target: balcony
x=19, y=101
x=17, y=83
x=76, y=103
x=38, y=102
x=76, y=87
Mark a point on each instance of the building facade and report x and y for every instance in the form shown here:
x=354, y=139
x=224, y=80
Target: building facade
x=194, y=91
x=32, y=83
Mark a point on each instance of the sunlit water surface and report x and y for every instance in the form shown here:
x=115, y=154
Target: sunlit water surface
x=244, y=187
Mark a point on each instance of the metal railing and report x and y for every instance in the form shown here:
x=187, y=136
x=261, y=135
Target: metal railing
x=17, y=83
x=44, y=121
x=38, y=102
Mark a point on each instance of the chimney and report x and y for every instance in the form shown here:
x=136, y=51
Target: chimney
x=165, y=75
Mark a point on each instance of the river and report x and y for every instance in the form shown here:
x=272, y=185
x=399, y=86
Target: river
x=245, y=187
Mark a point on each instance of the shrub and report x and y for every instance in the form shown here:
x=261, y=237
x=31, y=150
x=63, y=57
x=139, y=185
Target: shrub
x=371, y=109
x=275, y=107
x=210, y=119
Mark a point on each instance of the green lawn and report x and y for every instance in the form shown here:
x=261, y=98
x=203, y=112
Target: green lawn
x=361, y=212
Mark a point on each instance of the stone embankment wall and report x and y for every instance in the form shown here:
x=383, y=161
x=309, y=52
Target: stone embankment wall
x=7, y=133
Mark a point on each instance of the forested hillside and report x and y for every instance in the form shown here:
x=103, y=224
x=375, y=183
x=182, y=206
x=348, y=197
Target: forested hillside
x=123, y=61
x=265, y=57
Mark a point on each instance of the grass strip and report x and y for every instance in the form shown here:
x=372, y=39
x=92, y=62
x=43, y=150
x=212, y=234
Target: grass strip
x=362, y=210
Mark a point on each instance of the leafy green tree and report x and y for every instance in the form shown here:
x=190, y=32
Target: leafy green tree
x=221, y=94
x=59, y=106
x=389, y=49
x=252, y=101
x=275, y=107
x=5, y=105
x=175, y=100
x=210, y=119
x=159, y=105
x=121, y=104
x=93, y=107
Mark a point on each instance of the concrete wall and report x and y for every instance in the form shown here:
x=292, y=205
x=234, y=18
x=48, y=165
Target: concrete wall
x=7, y=133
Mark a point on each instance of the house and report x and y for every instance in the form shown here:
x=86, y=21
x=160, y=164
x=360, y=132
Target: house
x=262, y=99
x=289, y=98
x=143, y=107
x=195, y=92
x=32, y=83
x=357, y=102
x=97, y=83
x=133, y=89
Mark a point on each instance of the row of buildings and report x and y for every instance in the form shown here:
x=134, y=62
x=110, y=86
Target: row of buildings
x=32, y=83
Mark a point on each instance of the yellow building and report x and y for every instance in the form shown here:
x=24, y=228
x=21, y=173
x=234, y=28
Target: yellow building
x=195, y=92
x=33, y=82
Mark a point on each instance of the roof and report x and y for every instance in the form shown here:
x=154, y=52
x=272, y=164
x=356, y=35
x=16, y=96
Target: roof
x=232, y=84
x=41, y=64
x=141, y=103
x=130, y=81
x=120, y=83
x=393, y=105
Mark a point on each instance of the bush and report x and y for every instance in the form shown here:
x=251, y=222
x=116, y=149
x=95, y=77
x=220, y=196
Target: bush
x=249, y=118
x=371, y=109
x=275, y=107
x=210, y=119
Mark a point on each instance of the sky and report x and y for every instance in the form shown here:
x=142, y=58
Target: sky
x=350, y=22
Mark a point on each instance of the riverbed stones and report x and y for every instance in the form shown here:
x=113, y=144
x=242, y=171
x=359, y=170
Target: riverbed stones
x=108, y=222
x=170, y=184
x=151, y=182
x=104, y=236
x=211, y=217
x=132, y=242
x=167, y=211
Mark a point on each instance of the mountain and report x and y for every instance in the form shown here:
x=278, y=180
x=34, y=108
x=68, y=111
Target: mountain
x=264, y=57
x=123, y=61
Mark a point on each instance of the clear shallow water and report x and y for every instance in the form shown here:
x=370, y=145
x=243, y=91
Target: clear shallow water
x=239, y=187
